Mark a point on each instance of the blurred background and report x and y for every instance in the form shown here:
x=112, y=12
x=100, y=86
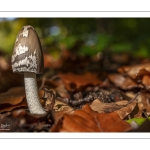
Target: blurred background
x=83, y=37
x=91, y=35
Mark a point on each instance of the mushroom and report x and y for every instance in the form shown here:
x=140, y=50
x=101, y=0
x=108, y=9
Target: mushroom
x=27, y=58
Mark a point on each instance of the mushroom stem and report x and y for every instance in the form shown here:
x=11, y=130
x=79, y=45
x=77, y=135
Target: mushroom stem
x=32, y=97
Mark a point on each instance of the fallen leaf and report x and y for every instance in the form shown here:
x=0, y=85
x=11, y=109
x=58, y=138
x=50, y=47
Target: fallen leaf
x=140, y=112
x=123, y=82
x=78, y=81
x=124, y=111
x=13, y=96
x=144, y=100
x=101, y=107
x=146, y=81
x=134, y=70
x=119, y=107
x=8, y=79
x=8, y=107
x=61, y=90
x=60, y=109
x=18, y=113
x=87, y=120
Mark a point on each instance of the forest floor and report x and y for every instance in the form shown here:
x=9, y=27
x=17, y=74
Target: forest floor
x=105, y=93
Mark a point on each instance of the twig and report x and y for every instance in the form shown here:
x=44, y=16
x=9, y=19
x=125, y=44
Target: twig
x=136, y=96
x=43, y=83
x=75, y=103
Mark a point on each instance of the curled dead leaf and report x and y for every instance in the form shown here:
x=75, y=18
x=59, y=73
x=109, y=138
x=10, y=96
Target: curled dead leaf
x=122, y=108
x=135, y=70
x=124, y=111
x=123, y=82
x=144, y=104
x=60, y=109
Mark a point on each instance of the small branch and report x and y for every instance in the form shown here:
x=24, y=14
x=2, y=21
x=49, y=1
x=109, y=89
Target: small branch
x=136, y=96
x=43, y=83
x=102, y=96
x=49, y=95
x=75, y=103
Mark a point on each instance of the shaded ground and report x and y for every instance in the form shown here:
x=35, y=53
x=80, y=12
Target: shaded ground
x=105, y=93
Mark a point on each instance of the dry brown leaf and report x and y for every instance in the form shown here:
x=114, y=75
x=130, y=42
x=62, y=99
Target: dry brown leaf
x=101, y=107
x=18, y=113
x=124, y=111
x=146, y=81
x=77, y=81
x=144, y=100
x=125, y=83
x=119, y=107
x=134, y=70
x=140, y=112
x=60, y=109
x=13, y=96
x=8, y=79
x=87, y=120
x=61, y=90
x=7, y=108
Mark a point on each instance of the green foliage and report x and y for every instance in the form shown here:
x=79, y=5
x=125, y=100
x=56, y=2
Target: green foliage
x=102, y=42
x=69, y=41
x=94, y=46
x=139, y=121
x=130, y=35
x=8, y=33
x=120, y=47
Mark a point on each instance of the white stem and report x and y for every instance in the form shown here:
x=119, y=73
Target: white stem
x=32, y=97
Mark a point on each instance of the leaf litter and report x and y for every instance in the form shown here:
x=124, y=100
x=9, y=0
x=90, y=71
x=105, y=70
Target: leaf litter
x=88, y=96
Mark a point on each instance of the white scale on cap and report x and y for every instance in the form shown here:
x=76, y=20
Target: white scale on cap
x=30, y=62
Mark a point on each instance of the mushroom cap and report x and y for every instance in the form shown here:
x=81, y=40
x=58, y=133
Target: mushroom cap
x=27, y=54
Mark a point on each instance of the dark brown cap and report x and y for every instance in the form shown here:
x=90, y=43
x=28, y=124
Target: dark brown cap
x=27, y=55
